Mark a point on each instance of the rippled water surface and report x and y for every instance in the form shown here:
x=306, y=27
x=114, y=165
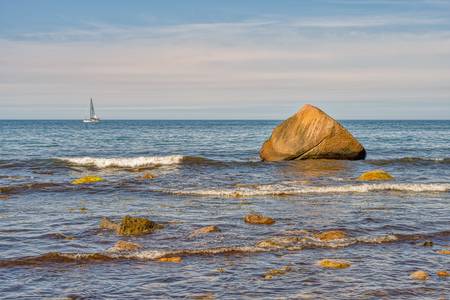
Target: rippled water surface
x=209, y=173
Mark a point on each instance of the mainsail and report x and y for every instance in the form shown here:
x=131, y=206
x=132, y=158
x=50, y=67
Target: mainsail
x=92, y=114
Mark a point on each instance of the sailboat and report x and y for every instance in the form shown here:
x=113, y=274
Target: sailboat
x=92, y=116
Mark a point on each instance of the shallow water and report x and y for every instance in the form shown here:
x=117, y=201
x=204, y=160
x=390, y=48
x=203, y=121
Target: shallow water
x=208, y=173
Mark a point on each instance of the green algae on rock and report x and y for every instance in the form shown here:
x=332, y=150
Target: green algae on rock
x=87, y=179
x=130, y=226
x=375, y=175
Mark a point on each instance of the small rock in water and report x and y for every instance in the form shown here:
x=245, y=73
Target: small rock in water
x=258, y=219
x=106, y=223
x=136, y=226
x=427, y=244
x=444, y=251
x=333, y=264
x=375, y=175
x=83, y=209
x=87, y=179
x=207, y=296
x=277, y=272
x=126, y=246
x=330, y=235
x=147, y=175
x=204, y=230
x=173, y=259
x=4, y=197
x=419, y=275
x=443, y=273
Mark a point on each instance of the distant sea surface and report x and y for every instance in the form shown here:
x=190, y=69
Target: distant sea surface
x=209, y=173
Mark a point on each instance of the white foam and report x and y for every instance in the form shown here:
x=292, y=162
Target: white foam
x=282, y=190
x=124, y=162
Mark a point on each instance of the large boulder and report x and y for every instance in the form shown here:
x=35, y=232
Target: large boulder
x=311, y=134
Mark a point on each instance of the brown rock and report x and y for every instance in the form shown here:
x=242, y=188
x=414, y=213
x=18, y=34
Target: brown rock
x=126, y=246
x=147, y=175
x=333, y=264
x=311, y=134
x=204, y=230
x=330, y=235
x=419, y=275
x=174, y=259
x=444, y=251
x=258, y=219
x=443, y=273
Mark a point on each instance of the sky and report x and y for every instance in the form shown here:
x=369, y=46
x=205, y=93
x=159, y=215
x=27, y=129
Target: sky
x=233, y=59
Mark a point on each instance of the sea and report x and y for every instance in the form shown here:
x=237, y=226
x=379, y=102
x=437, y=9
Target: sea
x=189, y=174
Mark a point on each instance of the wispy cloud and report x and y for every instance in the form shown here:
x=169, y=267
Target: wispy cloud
x=257, y=62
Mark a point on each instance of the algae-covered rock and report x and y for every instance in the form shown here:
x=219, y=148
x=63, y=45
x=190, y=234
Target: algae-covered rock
x=375, y=175
x=125, y=246
x=419, y=275
x=333, y=264
x=87, y=179
x=258, y=219
x=277, y=272
x=204, y=230
x=130, y=226
x=136, y=226
x=330, y=235
x=173, y=259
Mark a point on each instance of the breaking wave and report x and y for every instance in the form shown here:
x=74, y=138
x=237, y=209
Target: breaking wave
x=410, y=161
x=283, y=190
x=125, y=162
x=291, y=243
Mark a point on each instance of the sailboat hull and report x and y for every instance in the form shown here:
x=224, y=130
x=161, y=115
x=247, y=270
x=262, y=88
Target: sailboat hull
x=91, y=121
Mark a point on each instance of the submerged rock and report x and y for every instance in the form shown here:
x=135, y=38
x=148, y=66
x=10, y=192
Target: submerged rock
x=130, y=226
x=204, y=230
x=375, y=175
x=443, y=273
x=258, y=219
x=333, y=264
x=173, y=259
x=87, y=179
x=147, y=175
x=419, y=275
x=444, y=251
x=427, y=244
x=277, y=272
x=330, y=235
x=125, y=246
x=311, y=134
x=106, y=223
x=136, y=226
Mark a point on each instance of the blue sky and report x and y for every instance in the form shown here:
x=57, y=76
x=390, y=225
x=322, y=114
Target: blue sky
x=356, y=59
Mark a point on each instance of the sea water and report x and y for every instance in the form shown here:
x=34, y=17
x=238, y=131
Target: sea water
x=209, y=173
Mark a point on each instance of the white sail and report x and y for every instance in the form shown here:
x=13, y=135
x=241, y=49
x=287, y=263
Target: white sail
x=92, y=116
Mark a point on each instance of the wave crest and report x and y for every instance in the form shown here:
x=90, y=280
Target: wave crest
x=124, y=162
x=282, y=190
